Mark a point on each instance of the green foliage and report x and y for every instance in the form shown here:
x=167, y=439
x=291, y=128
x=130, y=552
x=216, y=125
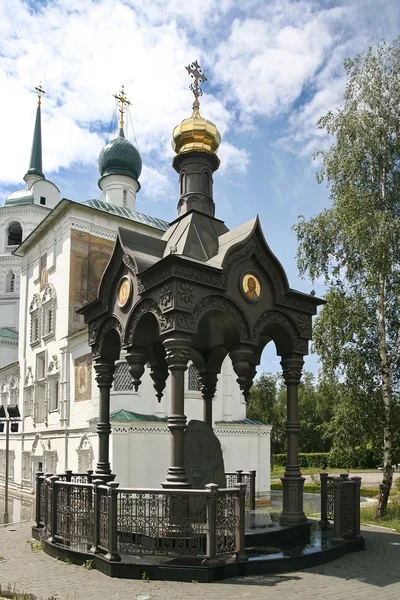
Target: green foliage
x=68, y=561
x=88, y=564
x=391, y=518
x=353, y=458
x=35, y=546
x=311, y=459
x=355, y=247
x=268, y=404
x=145, y=577
x=397, y=484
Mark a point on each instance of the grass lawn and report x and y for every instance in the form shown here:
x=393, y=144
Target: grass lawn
x=279, y=471
x=391, y=519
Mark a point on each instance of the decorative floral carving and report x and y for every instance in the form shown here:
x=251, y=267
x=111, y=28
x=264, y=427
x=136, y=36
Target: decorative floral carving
x=227, y=305
x=275, y=316
x=304, y=324
x=130, y=263
x=165, y=297
x=108, y=324
x=185, y=320
x=145, y=306
x=186, y=293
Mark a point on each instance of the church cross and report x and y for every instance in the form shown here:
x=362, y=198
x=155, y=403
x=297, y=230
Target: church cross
x=122, y=103
x=40, y=92
x=197, y=74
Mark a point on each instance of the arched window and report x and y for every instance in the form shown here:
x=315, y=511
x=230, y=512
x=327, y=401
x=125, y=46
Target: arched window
x=10, y=281
x=206, y=182
x=14, y=234
x=183, y=182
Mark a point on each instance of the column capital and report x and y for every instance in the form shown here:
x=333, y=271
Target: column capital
x=177, y=352
x=104, y=372
x=292, y=369
x=208, y=384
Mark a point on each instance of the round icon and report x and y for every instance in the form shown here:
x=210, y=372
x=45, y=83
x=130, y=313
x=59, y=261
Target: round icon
x=251, y=287
x=124, y=292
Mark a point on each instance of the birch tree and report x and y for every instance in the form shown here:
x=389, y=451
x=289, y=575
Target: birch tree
x=355, y=244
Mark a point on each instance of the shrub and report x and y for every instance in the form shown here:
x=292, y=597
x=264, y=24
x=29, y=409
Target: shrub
x=317, y=460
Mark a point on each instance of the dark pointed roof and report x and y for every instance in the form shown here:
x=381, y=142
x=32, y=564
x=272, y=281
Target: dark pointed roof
x=35, y=163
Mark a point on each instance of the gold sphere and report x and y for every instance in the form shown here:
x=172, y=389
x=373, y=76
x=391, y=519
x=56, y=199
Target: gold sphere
x=196, y=134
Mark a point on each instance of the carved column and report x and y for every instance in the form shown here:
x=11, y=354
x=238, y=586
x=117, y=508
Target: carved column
x=104, y=376
x=208, y=385
x=243, y=362
x=292, y=480
x=137, y=358
x=177, y=355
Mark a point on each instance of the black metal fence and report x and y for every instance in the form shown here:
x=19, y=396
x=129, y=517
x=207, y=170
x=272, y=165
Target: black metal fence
x=111, y=520
x=340, y=504
x=233, y=478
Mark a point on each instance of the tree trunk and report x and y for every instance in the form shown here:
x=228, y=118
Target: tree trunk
x=384, y=488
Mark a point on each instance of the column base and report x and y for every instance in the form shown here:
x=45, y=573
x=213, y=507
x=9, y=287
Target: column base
x=292, y=500
x=176, y=479
x=105, y=477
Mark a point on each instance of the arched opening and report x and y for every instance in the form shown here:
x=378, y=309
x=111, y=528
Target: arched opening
x=14, y=234
x=10, y=281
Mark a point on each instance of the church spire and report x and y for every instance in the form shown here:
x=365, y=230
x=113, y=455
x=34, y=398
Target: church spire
x=35, y=164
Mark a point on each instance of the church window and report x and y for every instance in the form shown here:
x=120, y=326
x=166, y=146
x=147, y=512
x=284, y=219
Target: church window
x=35, y=313
x=10, y=281
x=54, y=391
x=122, y=378
x=40, y=388
x=42, y=200
x=193, y=379
x=28, y=398
x=14, y=234
x=48, y=311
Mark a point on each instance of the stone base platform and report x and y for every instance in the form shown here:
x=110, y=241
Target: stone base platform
x=269, y=549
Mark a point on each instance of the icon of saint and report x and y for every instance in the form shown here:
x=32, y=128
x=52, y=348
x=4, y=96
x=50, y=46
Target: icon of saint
x=251, y=292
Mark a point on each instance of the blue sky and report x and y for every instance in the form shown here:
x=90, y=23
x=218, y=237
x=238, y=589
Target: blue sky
x=273, y=68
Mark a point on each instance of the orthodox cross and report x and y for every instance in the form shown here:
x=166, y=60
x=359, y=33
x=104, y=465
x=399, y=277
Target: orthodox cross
x=197, y=74
x=40, y=92
x=122, y=103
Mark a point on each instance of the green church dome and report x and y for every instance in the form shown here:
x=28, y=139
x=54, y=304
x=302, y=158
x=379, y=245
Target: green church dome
x=120, y=157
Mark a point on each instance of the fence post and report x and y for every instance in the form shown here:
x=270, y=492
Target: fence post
x=68, y=475
x=338, y=483
x=252, y=490
x=212, y=499
x=240, y=523
x=96, y=516
x=90, y=475
x=39, y=483
x=53, y=507
x=323, y=477
x=112, y=554
x=239, y=475
x=356, y=496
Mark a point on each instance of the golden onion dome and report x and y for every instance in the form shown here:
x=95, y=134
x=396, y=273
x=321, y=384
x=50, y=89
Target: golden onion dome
x=196, y=134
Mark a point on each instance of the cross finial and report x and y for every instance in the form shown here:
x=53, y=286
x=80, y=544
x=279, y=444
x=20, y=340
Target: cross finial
x=40, y=92
x=197, y=74
x=122, y=103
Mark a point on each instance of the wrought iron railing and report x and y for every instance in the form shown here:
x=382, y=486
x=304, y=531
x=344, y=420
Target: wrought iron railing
x=247, y=477
x=340, y=503
x=206, y=523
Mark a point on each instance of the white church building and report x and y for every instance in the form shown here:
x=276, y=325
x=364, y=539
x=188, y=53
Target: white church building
x=53, y=253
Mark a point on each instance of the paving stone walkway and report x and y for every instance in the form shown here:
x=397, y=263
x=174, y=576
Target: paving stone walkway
x=370, y=575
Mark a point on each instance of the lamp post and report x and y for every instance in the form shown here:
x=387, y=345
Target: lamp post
x=13, y=417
